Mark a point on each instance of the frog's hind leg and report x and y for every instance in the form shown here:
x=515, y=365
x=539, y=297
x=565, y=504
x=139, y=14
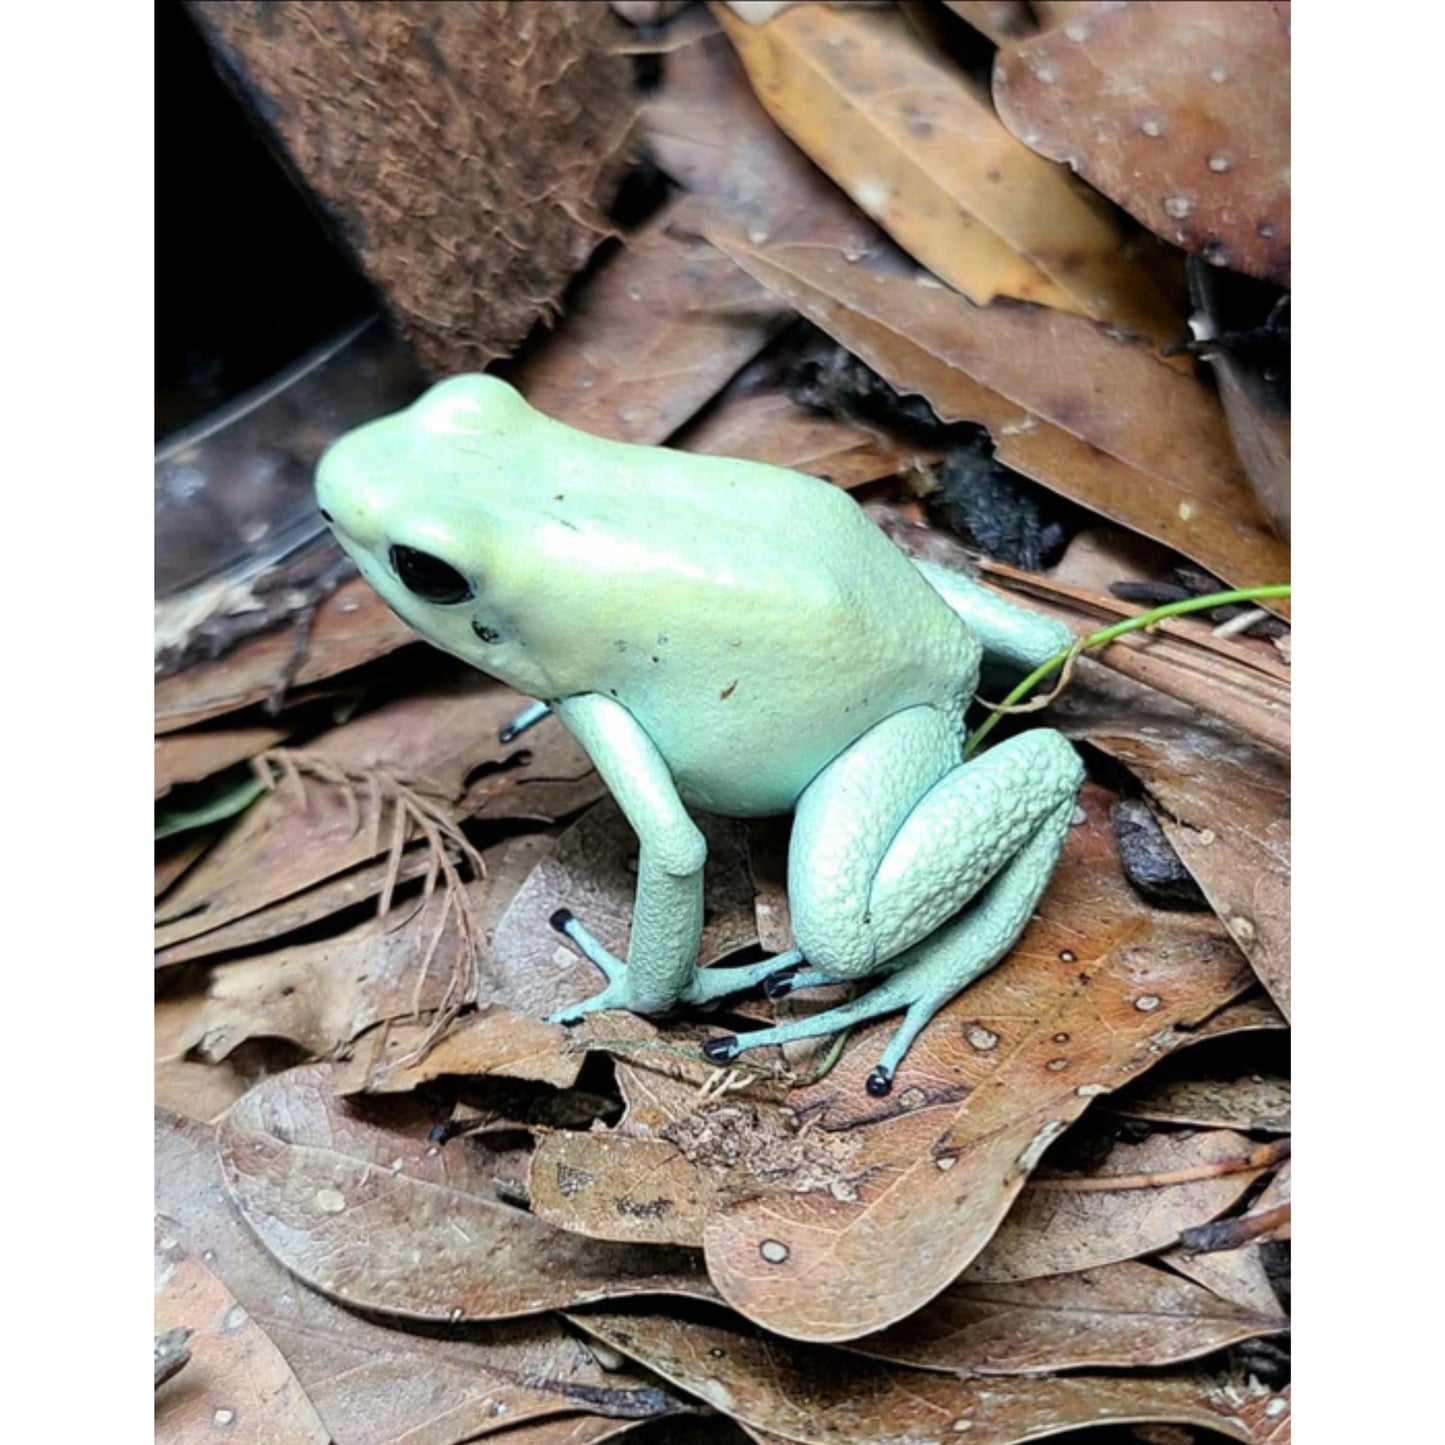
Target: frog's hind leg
x=872, y=880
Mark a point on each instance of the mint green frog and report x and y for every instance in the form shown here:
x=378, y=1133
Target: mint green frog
x=741, y=639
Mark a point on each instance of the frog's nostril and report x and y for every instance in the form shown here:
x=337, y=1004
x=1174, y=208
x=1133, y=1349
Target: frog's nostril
x=326, y=517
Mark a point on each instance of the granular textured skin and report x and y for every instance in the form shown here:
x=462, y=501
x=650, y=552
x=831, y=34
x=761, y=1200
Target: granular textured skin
x=464, y=152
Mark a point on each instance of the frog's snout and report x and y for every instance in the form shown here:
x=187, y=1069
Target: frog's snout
x=351, y=506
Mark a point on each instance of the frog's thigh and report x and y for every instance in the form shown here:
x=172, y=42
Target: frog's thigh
x=926, y=858
x=843, y=827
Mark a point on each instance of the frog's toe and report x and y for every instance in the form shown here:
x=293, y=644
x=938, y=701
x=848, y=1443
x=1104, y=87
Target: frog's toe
x=565, y=922
x=707, y=985
x=615, y=995
x=880, y=1082
x=723, y=1050
x=781, y=984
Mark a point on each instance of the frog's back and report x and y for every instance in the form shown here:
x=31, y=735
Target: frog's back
x=774, y=625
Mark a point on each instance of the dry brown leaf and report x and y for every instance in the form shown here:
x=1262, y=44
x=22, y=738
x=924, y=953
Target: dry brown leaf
x=494, y=1041
x=445, y=733
x=1178, y=111
x=608, y=1186
x=652, y=337
x=175, y=855
x=1223, y=803
x=352, y=626
x=373, y=1385
x=1066, y=1223
x=381, y=1219
x=1089, y=413
x=198, y=1090
x=237, y=1385
x=1250, y=1102
x=190, y=756
x=592, y=872
x=1247, y=1015
x=298, y=910
x=821, y=1397
x=925, y=156
x=1237, y=1275
x=1119, y=1316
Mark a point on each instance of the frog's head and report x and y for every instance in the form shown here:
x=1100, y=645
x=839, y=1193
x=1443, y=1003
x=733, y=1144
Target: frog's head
x=423, y=501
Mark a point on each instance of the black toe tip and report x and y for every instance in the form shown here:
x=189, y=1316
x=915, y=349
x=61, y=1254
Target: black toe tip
x=560, y=919
x=723, y=1050
x=880, y=1082
x=506, y=735
x=778, y=987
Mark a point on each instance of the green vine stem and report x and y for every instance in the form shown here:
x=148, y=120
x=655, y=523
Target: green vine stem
x=1107, y=635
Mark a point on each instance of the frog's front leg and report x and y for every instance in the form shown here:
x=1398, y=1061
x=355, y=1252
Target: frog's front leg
x=667, y=914
x=891, y=841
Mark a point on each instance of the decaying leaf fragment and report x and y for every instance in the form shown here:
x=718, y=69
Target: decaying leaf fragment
x=1179, y=111
x=906, y=136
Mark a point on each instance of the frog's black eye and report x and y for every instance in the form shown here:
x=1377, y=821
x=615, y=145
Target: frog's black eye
x=429, y=577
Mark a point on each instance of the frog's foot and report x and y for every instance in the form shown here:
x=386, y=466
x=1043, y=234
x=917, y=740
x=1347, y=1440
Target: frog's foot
x=928, y=975
x=710, y=984
x=615, y=995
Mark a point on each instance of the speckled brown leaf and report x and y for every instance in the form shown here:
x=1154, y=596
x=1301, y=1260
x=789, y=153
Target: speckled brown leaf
x=1223, y=802
x=493, y=1041
x=352, y=626
x=593, y=872
x=444, y=733
x=188, y=757
x=1178, y=111
x=374, y=1385
x=1084, y=411
x=1071, y=1222
x=1119, y=1316
x=1256, y=1102
x=237, y=1385
x=321, y=1187
x=821, y=1397
x=924, y=155
x=1096, y=991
